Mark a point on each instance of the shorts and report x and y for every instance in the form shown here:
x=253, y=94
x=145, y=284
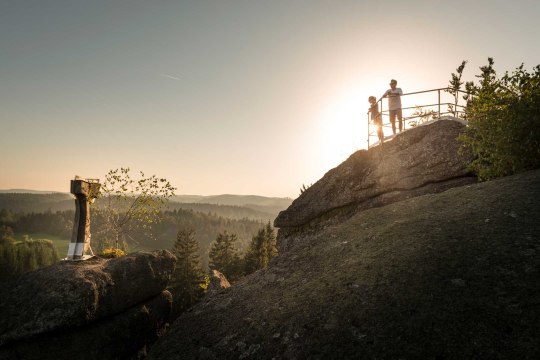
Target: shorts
x=395, y=113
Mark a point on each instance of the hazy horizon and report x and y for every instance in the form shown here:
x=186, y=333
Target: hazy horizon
x=17, y=191
x=230, y=97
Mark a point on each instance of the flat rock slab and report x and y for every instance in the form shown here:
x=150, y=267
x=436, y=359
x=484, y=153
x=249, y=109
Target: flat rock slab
x=70, y=294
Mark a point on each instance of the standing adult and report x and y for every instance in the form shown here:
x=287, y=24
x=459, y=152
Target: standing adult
x=394, y=105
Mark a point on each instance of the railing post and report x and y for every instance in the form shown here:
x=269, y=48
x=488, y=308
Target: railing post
x=382, y=116
x=368, y=132
x=439, y=92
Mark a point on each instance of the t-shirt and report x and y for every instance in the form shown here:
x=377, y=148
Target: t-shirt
x=394, y=102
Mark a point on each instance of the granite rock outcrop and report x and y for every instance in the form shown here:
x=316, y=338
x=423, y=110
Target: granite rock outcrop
x=85, y=309
x=394, y=254
x=419, y=161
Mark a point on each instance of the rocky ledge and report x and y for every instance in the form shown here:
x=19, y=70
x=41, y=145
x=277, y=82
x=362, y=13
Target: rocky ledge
x=416, y=162
x=99, y=308
x=452, y=275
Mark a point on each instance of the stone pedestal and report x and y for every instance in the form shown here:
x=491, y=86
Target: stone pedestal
x=85, y=192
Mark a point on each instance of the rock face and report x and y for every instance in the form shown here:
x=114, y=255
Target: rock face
x=84, y=309
x=416, y=162
x=370, y=268
x=218, y=282
x=452, y=275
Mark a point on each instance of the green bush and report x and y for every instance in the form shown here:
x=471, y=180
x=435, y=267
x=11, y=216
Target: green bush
x=503, y=117
x=112, y=253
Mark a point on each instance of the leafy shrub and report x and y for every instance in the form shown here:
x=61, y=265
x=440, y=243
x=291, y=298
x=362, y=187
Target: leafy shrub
x=112, y=253
x=129, y=205
x=204, y=285
x=503, y=122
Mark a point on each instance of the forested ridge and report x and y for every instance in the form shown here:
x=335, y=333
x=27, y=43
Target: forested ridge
x=28, y=221
x=24, y=202
x=259, y=208
x=206, y=225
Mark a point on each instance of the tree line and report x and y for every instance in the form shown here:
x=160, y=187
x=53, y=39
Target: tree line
x=41, y=203
x=18, y=257
x=206, y=226
x=27, y=202
x=189, y=281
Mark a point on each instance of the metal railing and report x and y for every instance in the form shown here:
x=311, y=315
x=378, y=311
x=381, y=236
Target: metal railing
x=454, y=108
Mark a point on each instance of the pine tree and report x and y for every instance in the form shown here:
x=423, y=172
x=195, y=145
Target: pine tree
x=256, y=253
x=455, y=87
x=261, y=249
x=271, y=241
x=224, y=256
x=188, y=275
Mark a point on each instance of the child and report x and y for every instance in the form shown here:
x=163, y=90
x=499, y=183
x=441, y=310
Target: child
x=376, y=117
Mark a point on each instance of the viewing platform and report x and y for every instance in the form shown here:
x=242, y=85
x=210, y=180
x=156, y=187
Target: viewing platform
x=419, y=107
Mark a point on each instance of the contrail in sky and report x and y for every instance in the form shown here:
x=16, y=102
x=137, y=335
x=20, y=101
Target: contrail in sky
x=171, y=77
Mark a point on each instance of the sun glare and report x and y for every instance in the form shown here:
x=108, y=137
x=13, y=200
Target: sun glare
x=343, y=127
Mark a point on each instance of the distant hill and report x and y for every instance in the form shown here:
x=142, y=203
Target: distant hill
x=271, y=205
x=26, y=191
x=227, y=211
x=36, y=202
x=238, y=200
x=230, y=206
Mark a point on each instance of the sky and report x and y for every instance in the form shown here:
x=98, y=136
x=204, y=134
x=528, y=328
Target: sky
x=237, y=97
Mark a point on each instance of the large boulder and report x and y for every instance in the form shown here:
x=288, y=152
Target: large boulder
x=419, y=161
x=452, y=275
x=88, y=302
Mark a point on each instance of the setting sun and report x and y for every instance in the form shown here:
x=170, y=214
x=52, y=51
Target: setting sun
x=343, y=126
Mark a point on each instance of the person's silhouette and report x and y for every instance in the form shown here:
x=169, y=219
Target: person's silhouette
x=394, y=105
x=376, y=116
